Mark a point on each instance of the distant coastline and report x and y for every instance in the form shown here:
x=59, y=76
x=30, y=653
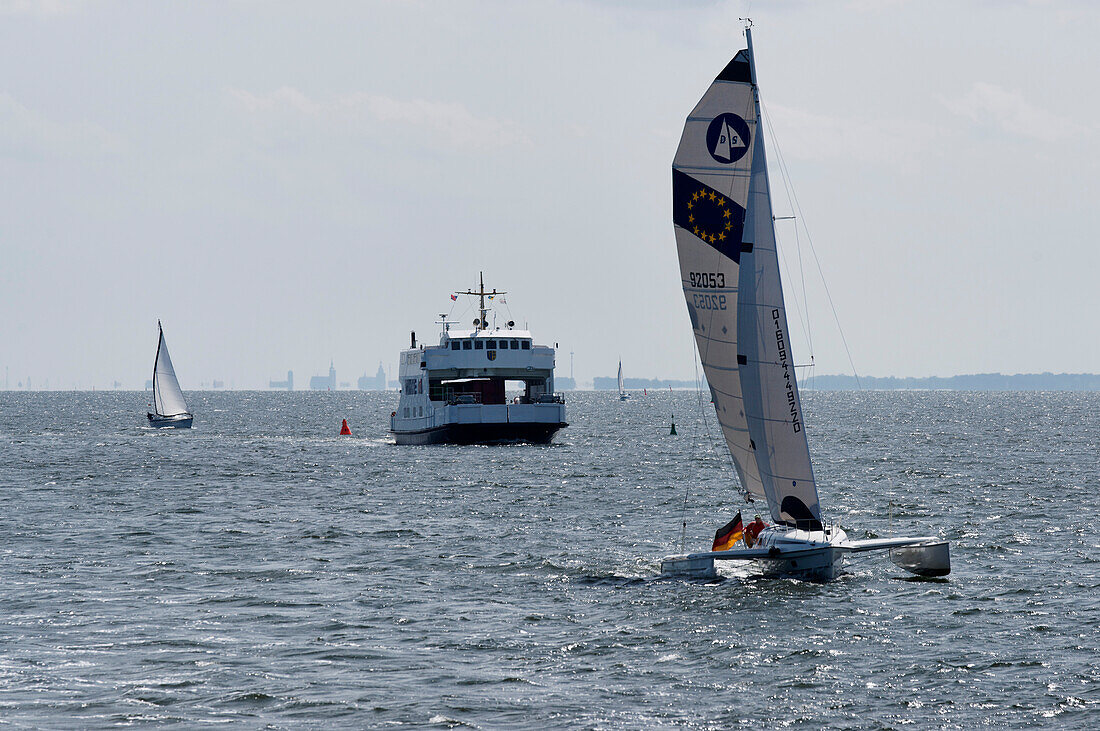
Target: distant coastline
x=611, y=383
x=969, y=382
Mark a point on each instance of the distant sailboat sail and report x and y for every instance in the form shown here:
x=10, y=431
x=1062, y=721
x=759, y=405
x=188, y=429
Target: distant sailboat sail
x=169, y=407
x=622, y=391
x=729, y=267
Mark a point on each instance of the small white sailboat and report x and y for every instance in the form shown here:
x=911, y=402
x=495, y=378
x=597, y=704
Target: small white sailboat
x=725, y=236
x=169, y=408
x=623, y=395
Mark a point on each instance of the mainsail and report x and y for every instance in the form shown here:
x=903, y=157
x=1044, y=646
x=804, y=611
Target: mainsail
x=725, y=236
x=622, y=391
x=167, y=395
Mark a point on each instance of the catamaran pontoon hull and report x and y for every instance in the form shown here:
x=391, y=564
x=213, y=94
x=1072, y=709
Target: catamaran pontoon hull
x=928, y=559
x=180, y=421
x=819, y=564
x=815, y=556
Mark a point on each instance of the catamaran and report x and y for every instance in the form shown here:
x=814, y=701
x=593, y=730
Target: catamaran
x=623, y=395
x=169, y=408
x=725, y=236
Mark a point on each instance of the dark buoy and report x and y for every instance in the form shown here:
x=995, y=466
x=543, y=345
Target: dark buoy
x=344, y=430
x=672, y=431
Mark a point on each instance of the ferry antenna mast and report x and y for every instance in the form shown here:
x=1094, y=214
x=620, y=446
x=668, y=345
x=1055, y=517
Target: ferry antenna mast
x=481, y=294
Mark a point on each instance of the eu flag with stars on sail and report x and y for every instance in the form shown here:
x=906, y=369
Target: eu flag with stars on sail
x=711, y=216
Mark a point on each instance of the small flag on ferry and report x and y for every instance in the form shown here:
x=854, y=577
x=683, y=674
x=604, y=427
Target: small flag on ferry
x=729, y=534
x=454, y=298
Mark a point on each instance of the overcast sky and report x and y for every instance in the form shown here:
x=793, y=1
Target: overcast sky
x=283, y=183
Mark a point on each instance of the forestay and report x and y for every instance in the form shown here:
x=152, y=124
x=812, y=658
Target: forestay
x=167, y=395
x=725, y=237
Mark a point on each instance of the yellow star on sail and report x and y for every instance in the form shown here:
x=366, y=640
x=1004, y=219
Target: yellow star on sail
x=714, y=217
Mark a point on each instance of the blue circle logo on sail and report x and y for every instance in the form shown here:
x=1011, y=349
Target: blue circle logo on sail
x=727, y=138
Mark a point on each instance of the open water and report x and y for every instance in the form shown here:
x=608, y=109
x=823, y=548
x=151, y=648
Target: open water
x=262, y=570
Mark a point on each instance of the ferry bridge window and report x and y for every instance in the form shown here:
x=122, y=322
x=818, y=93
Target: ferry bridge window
x=526, y=344
x=515, y=345
x=491, y=345
x=479, y=345
x=504, y=345
x=466, y=344
x=454, y=345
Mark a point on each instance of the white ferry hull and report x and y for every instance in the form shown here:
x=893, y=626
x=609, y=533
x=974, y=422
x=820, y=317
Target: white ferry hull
x=481, y=434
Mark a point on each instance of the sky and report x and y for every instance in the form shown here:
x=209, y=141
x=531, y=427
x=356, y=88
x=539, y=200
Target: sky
x=285, y=183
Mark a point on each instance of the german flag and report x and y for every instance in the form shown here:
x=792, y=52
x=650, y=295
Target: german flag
x=729, y=534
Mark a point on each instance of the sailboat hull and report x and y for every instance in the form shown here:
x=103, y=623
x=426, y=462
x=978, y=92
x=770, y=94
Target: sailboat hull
x=180, y=421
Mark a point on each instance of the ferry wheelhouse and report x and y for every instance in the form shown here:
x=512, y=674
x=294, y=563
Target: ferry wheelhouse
x=455, y=392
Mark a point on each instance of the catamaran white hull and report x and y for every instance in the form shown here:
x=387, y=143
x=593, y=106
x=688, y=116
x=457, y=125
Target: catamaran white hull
x=814, y=565
x=780, y=552
x=815, y=555
x=818, y=564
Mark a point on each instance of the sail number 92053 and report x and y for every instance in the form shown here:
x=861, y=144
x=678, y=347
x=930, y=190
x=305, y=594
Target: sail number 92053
x=707, y=280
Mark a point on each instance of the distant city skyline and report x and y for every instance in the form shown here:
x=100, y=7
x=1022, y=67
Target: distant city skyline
x=320, y=188
x=992, y=381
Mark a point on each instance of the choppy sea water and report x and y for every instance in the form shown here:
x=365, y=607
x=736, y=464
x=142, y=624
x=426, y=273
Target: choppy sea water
x=261, y=569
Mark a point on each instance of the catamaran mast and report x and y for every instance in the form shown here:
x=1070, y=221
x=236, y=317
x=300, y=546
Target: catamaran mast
x=775, y=239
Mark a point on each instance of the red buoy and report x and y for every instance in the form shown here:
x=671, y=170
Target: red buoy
x=344, y=430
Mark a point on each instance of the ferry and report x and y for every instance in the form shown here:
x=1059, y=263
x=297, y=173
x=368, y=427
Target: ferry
x=454, y=392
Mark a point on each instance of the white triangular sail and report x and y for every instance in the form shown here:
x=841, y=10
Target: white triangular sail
x=167, y=395
x=726, y=243
x=622, y=391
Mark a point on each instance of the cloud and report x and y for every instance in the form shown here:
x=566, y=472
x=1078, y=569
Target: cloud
x=991, y=105
x=438, y=124
x=813, y=136
x=40, y=8
x=26, y=133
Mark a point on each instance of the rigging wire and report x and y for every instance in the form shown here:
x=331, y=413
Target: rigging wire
x=692, y=453
x=805, y=301
x=803, y=322
x=809, y=239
